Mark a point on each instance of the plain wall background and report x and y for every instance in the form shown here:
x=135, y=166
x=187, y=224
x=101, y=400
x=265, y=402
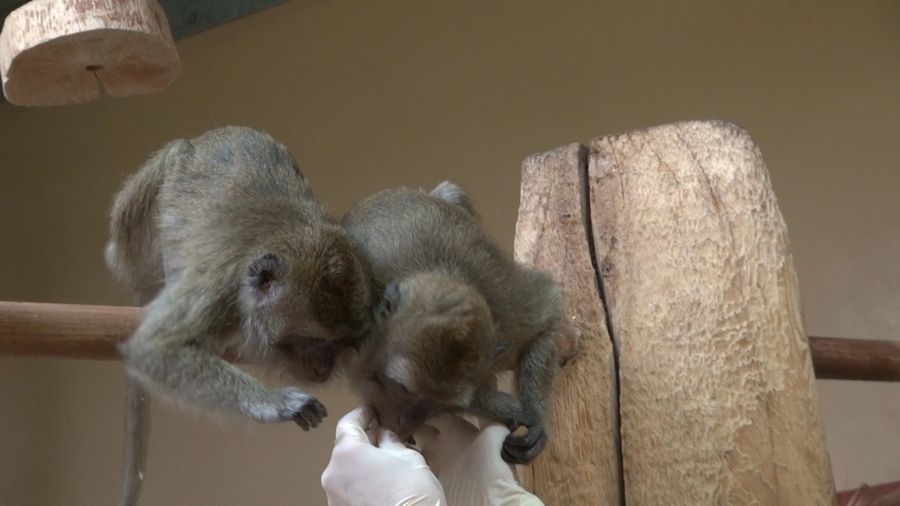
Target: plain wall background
x=369, y=95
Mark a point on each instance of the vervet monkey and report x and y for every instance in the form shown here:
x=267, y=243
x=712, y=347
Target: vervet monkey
x=222, y=236
x=454, y=311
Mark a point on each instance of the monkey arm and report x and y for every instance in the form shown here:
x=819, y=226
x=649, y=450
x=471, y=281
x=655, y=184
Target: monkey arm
x=534, y=380
x=165, y=352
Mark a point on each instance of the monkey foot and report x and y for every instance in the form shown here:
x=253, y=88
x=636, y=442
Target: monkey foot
x=523, y=449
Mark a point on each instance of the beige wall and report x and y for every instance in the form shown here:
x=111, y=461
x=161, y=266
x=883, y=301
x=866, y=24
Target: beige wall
x=368, y=96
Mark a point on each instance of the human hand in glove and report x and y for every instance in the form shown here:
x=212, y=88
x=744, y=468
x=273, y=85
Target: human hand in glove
x=468, y=464
x=370, y=466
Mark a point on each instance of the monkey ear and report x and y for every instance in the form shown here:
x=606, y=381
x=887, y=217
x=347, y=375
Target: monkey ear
x=265, y=272
x=389, y=300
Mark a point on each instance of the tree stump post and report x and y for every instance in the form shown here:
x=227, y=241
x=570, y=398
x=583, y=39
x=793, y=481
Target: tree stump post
x=580, y=464
x=716, y=394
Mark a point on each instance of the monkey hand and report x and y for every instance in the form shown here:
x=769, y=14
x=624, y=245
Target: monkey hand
x=290, y=404
x=522, y=449
x=468, y=464
x=383, y=472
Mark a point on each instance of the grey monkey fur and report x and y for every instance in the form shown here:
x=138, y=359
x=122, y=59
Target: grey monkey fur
x=455, y=310
x=223, y=237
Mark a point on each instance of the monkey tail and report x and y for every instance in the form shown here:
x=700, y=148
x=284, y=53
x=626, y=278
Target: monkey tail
x=137, y=428
x=134, y=255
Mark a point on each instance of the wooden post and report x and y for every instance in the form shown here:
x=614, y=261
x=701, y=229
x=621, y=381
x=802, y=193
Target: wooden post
x=580, y=464
x=717, y=396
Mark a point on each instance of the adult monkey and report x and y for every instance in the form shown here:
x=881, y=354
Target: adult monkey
x=223, y=238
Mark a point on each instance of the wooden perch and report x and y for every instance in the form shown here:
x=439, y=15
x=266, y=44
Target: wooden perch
x=30, y=329
x=56, y=52
x=65, y=330
x=855, y=359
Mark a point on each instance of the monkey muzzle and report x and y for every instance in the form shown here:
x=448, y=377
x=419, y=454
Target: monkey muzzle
x=405, y=420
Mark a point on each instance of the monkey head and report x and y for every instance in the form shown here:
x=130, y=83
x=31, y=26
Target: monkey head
x=436, y=348
x=306, y=298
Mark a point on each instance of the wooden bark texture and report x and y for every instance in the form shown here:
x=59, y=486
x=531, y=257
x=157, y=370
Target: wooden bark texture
x=65, y=330
x=580, y=463
x=55, y=52
x=717, y=396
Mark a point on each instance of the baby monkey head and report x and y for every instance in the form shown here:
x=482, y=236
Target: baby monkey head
x=307, y=297
x=437, y=348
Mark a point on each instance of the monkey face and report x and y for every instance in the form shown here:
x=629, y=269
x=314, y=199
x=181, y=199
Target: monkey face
x=311, y=360
x=308, y=302
x=437, y=349
x=397, y=408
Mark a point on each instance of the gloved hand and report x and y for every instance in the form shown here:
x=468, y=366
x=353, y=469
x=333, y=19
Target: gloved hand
x=468, y=463
x=361, y=473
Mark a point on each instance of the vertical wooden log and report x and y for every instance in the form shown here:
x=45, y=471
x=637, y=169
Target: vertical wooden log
x=717, y=394
x=580, y=464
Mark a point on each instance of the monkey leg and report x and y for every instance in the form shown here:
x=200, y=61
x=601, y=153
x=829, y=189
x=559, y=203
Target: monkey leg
x=133, y=252
x=534, y=381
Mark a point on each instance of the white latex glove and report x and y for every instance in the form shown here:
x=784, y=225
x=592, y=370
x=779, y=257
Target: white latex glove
x=468, y=463
x=363, y=474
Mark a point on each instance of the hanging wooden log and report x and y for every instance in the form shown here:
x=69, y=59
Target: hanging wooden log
x=580, y=464
x=65, y=52
x=717, y=396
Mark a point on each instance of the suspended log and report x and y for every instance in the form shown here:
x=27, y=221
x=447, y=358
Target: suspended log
x=66, y=52
x=580, y=464
x=717, y=395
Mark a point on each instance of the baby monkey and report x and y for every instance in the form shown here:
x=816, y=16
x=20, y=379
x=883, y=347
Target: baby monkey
x=454, y=311
x=222, y=236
